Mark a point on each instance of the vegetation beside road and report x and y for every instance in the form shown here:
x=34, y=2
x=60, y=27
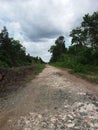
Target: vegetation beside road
x=13, y=53
x=82, y=55
x=11, y=79
x=16, y=66
x=87, y=72
x=39, y=68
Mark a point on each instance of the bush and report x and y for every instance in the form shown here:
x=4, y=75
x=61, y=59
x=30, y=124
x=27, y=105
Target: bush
x=79, y=68
x=3, y=64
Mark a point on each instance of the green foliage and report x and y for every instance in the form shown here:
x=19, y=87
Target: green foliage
x=79, y=68
x=3, y=64
x=78, y=36
x=82, y=55
x=57, y=49
x=87, y=33
x=12, y=53
x=39, y=68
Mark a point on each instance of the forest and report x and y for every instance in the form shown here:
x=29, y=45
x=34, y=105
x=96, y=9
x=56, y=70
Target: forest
x=82, y=55
x=13, y=54
x=16, y=66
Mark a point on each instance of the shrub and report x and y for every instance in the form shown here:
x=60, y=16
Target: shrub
x=79, y=68
x=3, y=64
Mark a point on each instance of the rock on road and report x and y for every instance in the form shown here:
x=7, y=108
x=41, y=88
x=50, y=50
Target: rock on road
x=54, y=100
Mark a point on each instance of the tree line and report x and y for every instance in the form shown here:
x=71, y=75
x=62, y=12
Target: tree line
x=13, y=54
x=83, y=51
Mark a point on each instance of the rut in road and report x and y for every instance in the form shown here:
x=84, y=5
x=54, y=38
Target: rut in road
x=54, y=100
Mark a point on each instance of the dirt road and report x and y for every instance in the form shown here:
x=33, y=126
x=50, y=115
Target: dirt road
x=54, y=100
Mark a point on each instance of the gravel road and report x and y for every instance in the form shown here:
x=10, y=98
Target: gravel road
x=54, y=100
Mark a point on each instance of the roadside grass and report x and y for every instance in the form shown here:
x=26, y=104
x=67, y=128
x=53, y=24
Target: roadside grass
x=88, y=72
x=39, y=68
x=17, y=77
x=92, y=77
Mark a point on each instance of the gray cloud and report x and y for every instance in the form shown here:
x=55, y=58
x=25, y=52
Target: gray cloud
x=33, y=21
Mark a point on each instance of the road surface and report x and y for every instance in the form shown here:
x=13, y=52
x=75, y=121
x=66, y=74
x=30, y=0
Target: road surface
x=54, y=100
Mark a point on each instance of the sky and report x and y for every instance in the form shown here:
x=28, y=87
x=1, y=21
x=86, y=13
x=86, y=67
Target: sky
x=38, y=23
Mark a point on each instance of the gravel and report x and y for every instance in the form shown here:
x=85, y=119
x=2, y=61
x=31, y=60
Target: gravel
x=54, y=101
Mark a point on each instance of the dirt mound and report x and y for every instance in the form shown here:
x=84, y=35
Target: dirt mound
x=9, y=77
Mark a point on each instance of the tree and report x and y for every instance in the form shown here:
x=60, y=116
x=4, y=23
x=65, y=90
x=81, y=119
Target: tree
x=90, y=25
x=85, y=40
x=87, y=33
x=4, y=36
x=12, y=53
x=78, y=36
x=60, y=43
x=57, y=49
x=4, y=33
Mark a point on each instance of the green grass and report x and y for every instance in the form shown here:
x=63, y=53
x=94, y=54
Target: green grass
x=62, y=64
x=92, y=78
x=88, y=72
x=39, y=68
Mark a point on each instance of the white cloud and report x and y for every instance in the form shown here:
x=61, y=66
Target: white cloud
x=40, y=48
x=32, y=21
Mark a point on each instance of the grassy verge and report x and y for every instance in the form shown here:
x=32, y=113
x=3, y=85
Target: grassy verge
x=13, y=78
x=39, y=68
x=88, y=72
x=88, y=76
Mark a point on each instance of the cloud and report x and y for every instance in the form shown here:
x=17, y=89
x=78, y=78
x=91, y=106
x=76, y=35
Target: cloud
x=40, y=48
x=38, y=23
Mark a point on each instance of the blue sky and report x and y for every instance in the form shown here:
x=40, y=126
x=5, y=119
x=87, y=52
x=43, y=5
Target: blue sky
x=38, y=23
